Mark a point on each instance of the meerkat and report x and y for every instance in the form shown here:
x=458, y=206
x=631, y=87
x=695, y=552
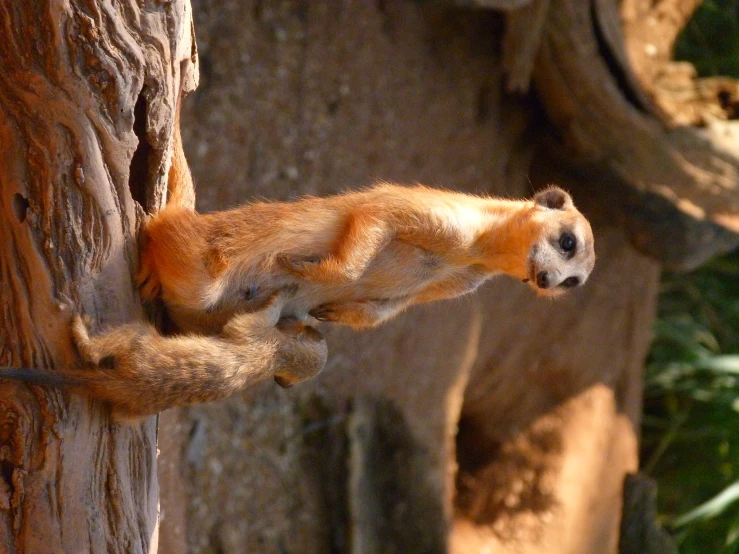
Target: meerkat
x=357, y=258
x=149, y=373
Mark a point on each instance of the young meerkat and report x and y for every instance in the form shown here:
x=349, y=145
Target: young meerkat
x=149, y=373
x=357, y=258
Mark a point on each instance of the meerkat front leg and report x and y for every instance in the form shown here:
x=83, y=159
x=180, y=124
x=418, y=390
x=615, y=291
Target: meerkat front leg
x=359, y=314
x=453, y=286
x=366, y=233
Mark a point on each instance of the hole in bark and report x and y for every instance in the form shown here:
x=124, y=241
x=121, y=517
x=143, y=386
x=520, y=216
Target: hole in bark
x=258, y=10
x=6, y=469
x=20, y=206
x=139, y=170
x=332, y=106
x=614, y=67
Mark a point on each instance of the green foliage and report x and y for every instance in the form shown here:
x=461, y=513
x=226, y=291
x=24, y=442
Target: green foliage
x=690, y=435
x=690, y=429
x=711, y=39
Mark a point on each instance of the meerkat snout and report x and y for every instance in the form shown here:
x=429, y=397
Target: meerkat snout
x=543, y=281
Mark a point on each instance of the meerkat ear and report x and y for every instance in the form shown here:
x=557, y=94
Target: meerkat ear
x=553, y=198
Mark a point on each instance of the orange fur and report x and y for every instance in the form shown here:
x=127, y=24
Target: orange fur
x=232, y=280
x=356, y=258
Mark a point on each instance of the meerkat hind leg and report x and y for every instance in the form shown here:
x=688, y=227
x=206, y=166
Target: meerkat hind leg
x=108, y=344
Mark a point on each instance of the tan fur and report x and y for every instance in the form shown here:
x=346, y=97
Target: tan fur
x=149, y=373
x=358, y=258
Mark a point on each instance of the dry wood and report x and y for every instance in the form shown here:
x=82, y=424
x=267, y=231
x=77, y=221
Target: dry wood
x=87, y=97
x=650, y=29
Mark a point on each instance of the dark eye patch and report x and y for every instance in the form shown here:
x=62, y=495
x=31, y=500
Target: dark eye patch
x=567, y=243
x=570, y=282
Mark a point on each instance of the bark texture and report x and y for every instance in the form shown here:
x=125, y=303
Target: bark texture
x=87, y=97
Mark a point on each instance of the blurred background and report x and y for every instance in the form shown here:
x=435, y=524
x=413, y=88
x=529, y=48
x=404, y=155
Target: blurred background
x=498, y=422
x=690, y=443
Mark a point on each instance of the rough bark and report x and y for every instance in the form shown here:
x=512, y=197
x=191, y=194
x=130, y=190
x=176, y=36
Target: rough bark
x=393, y=501
x=87, y=97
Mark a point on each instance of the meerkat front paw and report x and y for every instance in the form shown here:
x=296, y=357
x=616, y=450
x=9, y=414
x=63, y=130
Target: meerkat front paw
x=354, y=314
x=329, y=313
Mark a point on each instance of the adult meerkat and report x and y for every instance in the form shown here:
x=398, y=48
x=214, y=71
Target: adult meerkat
x=149, y=373
x=357, y=258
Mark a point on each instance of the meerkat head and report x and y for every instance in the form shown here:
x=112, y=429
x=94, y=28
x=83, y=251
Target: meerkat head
x=562, y=256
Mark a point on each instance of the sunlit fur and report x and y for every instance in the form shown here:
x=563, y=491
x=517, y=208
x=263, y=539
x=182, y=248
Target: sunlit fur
x=242, y=282
x=357, y=258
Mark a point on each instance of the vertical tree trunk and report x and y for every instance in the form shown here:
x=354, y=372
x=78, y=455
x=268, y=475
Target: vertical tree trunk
x=88, y=91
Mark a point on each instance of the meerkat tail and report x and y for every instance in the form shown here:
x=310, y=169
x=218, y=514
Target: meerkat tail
x=180, y=189
x=41, y=377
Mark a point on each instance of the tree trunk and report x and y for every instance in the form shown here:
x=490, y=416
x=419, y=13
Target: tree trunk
x=87, y=97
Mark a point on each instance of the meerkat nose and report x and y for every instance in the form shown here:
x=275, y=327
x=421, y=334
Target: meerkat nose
x=542, y=280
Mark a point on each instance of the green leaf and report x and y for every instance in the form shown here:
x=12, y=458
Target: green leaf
x=708, y=510
x=728, y=363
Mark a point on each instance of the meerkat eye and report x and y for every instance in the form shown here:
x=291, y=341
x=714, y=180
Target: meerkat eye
x=570, y=282
x=567, y=242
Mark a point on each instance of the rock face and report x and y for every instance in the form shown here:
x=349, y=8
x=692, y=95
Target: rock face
x=313, y=98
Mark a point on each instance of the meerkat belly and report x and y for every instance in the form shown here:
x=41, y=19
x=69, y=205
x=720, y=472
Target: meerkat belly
x=399, y=271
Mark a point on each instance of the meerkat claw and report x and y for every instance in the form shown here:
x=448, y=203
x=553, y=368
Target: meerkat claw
x=324, y=313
